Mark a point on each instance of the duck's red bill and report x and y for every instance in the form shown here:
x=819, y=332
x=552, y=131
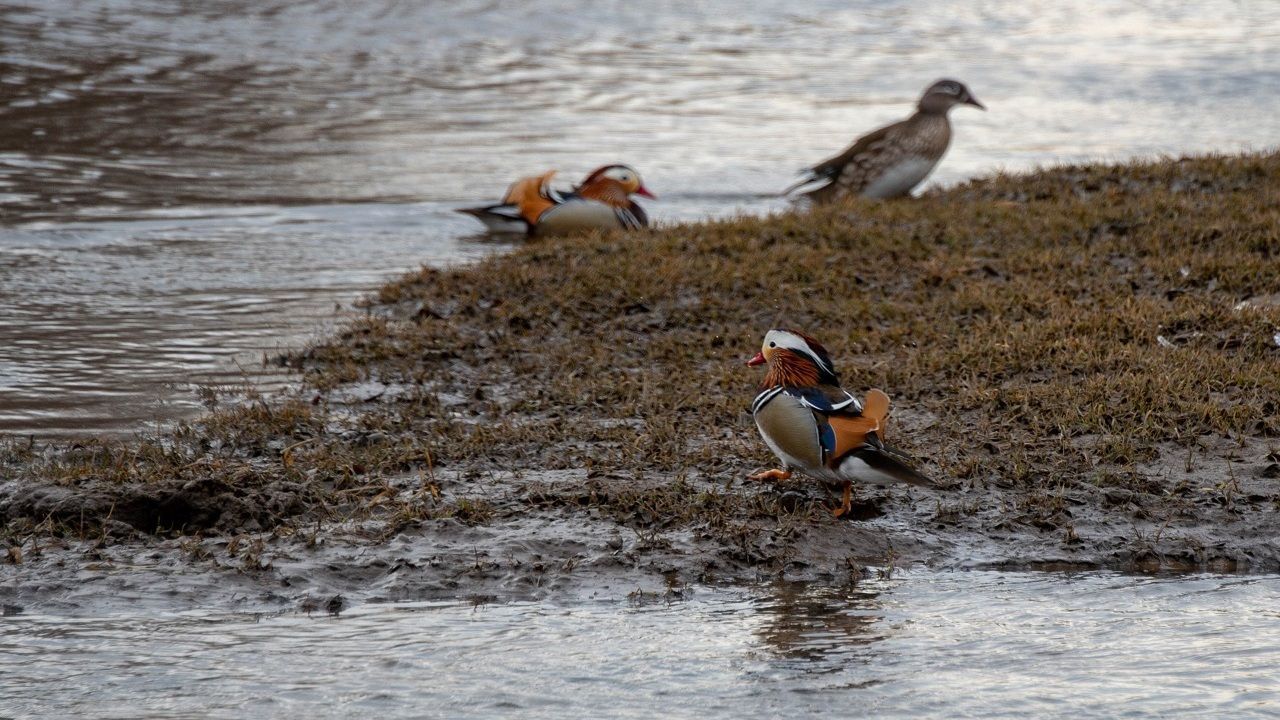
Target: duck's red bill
x=757, y=360
x=643, y=191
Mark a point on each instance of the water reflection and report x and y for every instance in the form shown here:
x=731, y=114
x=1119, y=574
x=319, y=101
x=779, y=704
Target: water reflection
x=817, y=629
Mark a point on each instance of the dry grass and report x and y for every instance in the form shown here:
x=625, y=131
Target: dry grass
x=1053, y=326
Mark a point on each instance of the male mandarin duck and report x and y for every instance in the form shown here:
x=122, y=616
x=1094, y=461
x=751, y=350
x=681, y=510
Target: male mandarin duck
x=891, y=161
x=816, y=427
x=601, y=202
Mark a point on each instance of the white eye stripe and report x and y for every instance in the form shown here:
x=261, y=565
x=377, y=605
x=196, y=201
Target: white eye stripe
x=791, y=341
x=621, y=174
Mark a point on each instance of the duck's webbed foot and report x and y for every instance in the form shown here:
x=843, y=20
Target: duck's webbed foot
x=846, y=501
x=772, y=475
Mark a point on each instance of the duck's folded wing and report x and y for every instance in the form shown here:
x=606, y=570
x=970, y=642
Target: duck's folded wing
x=533, y=196
x=881, y=464
x=829, y=399
x=638, y=217
x=856, y=447
x=845, y=433
x=828, y=171
x=498, y=218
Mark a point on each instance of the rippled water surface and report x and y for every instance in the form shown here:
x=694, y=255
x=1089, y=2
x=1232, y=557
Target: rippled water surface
x=943, y=645
x=185, y=185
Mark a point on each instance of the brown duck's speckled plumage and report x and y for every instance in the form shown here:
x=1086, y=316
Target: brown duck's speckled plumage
x=924, y=135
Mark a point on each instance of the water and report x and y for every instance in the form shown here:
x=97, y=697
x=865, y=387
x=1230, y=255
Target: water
x=108, y=325
x=946, y=645
x=185, y=186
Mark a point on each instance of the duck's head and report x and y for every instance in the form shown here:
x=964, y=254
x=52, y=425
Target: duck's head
x=946, y=94
x=625, y=177
x=795, y=360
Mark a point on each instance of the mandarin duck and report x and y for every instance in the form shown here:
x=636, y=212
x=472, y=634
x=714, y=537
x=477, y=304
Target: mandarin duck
x=816, y=427
x=891, y=161
x=601, y=202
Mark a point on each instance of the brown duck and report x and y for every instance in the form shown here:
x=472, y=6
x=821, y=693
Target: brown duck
x=891, y=161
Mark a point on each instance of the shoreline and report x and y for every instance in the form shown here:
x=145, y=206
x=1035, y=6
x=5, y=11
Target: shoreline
x=1084, y=355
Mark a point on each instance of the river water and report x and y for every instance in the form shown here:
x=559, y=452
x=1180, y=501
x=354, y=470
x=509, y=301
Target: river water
x=919, y=645
x=186, y=186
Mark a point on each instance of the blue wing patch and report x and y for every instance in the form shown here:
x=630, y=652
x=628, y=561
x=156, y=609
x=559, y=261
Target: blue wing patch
x=827, y=437
x=818, y=400
x=814, y=398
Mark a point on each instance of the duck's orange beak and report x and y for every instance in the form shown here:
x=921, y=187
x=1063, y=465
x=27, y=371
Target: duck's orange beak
x=643, y=191
x=757, y=360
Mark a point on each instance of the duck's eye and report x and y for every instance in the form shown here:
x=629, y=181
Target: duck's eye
x=772, y=344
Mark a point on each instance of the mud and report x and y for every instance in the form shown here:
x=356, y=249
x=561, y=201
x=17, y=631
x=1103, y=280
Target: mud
x=542, y=537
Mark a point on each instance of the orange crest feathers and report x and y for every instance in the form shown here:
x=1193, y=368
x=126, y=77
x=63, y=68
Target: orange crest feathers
x=812, y=356
x=790, y=369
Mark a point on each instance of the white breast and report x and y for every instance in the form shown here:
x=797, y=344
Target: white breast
x=899, y=178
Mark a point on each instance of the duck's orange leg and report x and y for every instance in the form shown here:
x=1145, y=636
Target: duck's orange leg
x=774, y=475
x=847, y=502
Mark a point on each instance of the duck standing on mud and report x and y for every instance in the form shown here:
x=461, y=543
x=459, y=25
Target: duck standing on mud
x=815, y=426
x=602, y=202
x=891, y=161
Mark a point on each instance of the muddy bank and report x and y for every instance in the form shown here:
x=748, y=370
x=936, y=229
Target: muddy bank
x=1085, y=357
x=571, y=534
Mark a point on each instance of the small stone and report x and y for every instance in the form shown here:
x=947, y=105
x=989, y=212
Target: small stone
x=1117, y=496
x=335, y=605
x=791, y=501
